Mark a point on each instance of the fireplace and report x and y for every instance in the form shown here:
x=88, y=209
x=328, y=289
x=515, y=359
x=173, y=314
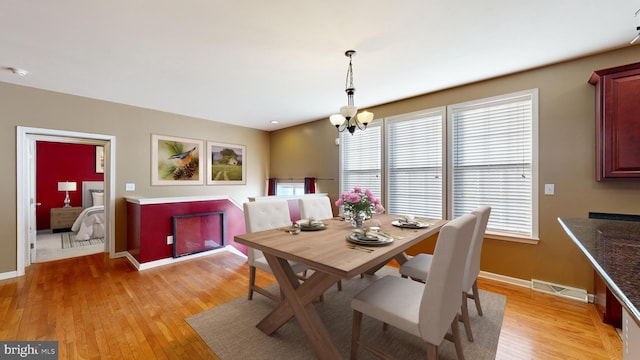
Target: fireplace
x=195, y=233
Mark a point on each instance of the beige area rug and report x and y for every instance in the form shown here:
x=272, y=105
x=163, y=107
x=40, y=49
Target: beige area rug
x=49, y=247
x=69, y=241
x=229, y=329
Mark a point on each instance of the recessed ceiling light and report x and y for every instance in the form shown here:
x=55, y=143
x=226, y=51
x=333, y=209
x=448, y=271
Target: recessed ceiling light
x=275, y=122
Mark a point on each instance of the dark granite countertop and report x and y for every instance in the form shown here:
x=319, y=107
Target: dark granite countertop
x=613, y=248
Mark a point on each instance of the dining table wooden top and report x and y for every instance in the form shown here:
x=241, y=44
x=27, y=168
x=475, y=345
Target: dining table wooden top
x=329, y=251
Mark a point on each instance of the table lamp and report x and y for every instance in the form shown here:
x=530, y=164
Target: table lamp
x=67, y=186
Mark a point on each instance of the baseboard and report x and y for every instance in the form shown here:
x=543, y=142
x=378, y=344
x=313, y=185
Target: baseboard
x=505, y=279
x=152, y=264
x=542, y=286
x=8, y=275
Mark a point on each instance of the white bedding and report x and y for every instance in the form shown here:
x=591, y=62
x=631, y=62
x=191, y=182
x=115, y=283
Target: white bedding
x=90, y=224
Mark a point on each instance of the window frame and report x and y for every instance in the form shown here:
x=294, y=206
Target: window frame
x=447, y=187
x=492, y=101
x=413, y=116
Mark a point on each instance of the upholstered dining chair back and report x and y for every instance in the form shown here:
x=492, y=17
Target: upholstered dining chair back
x=472, y=269
x=441, y=298
x=318, y=208
x=265, y=215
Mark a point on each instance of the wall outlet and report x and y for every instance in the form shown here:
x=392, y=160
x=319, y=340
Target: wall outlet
x=129, y=187
x=169, y=239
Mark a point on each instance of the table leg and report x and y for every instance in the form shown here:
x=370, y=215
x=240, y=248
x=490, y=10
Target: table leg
x=297, y=302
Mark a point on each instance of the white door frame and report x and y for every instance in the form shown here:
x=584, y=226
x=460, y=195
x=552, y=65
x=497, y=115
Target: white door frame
x=25, y=179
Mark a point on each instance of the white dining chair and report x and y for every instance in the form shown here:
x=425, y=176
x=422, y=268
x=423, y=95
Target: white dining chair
x=426, y=310
x=318, y=208
x=259, y=216
x=418, y=267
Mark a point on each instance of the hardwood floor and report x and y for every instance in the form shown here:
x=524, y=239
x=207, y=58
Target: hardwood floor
x=98, y=307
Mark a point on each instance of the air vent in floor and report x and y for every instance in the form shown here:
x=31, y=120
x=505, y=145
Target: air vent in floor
x=559, y=290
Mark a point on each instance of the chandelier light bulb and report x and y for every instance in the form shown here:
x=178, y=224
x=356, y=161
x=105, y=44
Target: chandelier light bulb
x=347, y=119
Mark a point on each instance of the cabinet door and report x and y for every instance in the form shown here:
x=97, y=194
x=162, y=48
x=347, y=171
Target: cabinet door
x=619, y=124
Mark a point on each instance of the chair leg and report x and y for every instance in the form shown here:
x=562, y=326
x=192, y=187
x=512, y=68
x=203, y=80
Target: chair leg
x=455, y=334
x=465, y=317
x=252, y=280
x=355, y=333
x=476, y=296
x=339, y=285
x=432, y=351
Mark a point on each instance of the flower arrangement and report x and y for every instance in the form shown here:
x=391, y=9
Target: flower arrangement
x=360, y=201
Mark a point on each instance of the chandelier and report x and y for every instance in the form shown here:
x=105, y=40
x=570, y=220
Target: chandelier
x=347, y=119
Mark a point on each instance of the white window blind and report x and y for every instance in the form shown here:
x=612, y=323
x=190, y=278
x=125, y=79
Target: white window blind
x=361, y=159
x=414, y=163
x=492, y=161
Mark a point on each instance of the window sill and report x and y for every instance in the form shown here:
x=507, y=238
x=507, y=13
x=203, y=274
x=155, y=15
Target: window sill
x=512, y=239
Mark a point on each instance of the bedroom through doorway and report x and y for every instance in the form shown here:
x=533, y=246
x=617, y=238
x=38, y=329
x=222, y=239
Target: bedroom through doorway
x=69, y=193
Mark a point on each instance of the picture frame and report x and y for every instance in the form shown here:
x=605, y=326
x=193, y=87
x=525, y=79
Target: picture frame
x=99, y=159
x=227, y=164
x=176, y=160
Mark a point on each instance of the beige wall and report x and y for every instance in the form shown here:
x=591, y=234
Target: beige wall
x=567, y=159
x=132, y=127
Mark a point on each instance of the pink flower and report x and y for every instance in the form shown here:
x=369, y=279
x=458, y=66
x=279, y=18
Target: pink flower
x=359, y=201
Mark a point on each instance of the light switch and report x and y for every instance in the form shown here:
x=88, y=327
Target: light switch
x=130, y=187
x=549, y=189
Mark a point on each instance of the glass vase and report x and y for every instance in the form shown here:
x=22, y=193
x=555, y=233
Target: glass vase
x=357, y=219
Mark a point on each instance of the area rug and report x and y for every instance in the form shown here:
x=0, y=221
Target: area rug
x=229, y=329
x=69, y=240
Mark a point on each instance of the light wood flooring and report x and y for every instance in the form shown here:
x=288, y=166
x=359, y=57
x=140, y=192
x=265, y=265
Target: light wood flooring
x=98, y=307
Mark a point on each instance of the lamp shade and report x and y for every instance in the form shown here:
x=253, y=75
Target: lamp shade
x=348, y=111
x=336, y=119
x=66, y=186
x=365, y=117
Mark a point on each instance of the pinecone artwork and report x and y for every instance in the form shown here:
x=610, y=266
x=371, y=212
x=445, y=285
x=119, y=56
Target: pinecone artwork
x=184, y=172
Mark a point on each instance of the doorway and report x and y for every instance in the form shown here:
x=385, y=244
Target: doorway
x=25, y=176
x=68, y=176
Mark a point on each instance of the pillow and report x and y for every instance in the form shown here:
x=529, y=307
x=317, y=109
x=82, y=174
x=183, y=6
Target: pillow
x=97, y=197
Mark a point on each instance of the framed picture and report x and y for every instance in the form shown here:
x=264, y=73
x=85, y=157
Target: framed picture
x=227, y=164
x=176, y=161
x=99, y=159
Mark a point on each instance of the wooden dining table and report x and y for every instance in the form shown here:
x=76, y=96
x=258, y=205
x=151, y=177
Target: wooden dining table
x=332, y=258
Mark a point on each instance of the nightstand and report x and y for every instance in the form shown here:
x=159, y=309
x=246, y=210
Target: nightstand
x=63, y=218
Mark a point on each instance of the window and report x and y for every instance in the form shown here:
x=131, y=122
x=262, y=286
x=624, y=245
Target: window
x=361, y=159
x=486, y=156
x=492, y=161
x=289, y=189
x=414, y=163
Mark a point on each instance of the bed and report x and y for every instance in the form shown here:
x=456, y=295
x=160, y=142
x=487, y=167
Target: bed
x=90, y=223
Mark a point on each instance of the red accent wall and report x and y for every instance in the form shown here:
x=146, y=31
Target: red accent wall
x=61, y=162
x=149, y=225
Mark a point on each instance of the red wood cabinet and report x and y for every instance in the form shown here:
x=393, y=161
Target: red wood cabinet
x=618, y=122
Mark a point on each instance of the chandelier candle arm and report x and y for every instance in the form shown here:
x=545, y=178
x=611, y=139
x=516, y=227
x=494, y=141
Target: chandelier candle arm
x=348, y=118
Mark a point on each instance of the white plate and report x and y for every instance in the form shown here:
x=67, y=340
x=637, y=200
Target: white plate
x=304, y=225
x=409, y=225
x=371, y=241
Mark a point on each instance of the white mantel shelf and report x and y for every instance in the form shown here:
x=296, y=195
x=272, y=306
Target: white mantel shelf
x=178, y=199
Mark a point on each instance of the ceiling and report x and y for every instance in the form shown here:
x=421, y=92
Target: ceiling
x=248, y=63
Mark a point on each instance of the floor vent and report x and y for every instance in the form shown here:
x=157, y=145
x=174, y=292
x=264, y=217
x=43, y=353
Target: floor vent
x=559, y=290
